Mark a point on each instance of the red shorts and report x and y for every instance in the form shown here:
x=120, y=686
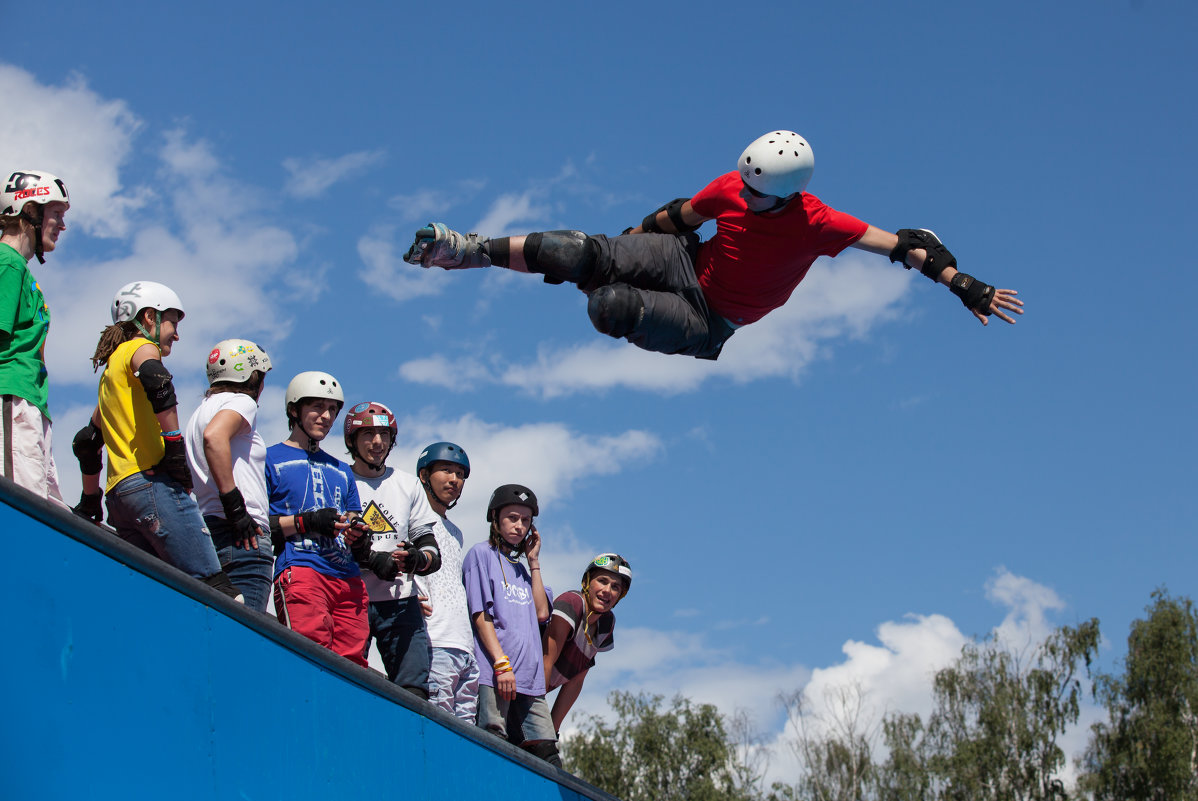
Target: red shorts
x=329, y=611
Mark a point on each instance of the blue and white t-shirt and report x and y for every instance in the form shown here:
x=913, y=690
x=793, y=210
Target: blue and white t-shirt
x=298, y=481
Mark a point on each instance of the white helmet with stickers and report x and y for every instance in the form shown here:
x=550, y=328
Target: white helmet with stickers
x=235, y=360
x=779, y=164
x=133, y=297
x=31, y=186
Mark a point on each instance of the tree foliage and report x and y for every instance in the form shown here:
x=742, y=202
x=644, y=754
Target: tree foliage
x=1148, y=747
x=998, y=715
x=652, y=754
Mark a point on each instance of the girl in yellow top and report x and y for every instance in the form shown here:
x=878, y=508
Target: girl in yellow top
x=148, y=480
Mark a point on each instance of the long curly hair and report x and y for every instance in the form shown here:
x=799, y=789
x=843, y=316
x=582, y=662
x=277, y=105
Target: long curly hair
x=112, y=338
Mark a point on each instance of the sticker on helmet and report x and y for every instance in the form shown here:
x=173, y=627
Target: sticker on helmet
x=380, y=420
x=361, y=407
x=602, y=561
x=213, y=356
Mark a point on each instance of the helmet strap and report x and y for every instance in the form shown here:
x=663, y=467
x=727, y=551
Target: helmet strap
x=36, y=221
x=157, y=327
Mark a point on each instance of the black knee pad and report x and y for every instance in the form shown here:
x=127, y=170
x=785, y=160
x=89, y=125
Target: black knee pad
x=616, y=310
x=546, y=750
x=561, y=256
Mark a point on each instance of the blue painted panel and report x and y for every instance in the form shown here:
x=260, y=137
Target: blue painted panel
x=124, y=678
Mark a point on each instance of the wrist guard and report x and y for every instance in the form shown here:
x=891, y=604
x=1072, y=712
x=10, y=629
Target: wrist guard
x=975, y=294
x=382, y=565
x=277, y=538
x=415, y=560
x=87, y=445
x=89, y=507
x=318, y=522
x=156, y=381
x=237, y=516
x=938, y=256
x=174, y=461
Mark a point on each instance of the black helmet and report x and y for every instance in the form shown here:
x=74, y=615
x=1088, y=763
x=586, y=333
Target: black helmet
x=510, y=494
x=609, y=563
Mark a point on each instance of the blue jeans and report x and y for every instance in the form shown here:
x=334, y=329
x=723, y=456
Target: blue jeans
x=398, y=630
x=157, y=515
x=453, y=682
x=252, y=572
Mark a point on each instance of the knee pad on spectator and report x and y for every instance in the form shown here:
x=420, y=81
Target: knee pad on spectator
x=616, y=310
x=546, y=750
x=561, y=256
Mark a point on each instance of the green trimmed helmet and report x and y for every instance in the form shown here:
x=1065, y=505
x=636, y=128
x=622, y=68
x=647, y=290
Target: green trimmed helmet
x=610, y=563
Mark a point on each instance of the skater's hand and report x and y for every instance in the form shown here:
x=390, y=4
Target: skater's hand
x=89, y=507
x=426, y=608
x=424, y=237
x=1003, y=299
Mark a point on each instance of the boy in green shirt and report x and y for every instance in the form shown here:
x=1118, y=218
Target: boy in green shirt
x=32, y=207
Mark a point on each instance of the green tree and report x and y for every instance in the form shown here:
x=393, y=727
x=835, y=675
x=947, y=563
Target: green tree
x=834, y=750
x=652, y=754
x=905, y=775
x=998, y=715
x=1148, y=748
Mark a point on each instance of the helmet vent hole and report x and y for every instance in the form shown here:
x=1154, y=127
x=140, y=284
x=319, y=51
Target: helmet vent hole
x=780, y=152
x=757, y=171
x=748, y=159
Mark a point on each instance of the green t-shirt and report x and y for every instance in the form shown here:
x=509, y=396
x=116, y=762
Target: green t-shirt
x=24, y=323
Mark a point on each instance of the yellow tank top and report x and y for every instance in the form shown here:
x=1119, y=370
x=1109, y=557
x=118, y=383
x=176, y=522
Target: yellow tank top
x=131, y=431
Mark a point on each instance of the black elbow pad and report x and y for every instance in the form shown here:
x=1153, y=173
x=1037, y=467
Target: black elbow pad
x=160, y=389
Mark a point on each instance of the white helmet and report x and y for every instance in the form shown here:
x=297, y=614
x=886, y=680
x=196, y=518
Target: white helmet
x=314, y=384
x=132, y=298
x=31, y=186
x=779, y=163
x=235, y=360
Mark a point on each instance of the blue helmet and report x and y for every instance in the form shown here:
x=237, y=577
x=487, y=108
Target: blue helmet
x=443, y=452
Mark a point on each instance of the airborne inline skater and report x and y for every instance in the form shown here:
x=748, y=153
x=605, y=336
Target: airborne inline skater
x=663, y=291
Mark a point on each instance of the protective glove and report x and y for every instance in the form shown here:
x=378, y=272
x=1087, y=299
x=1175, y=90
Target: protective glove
x=238, y=518
x=89, y=507
x=382, y=565
x=174, y=461
x=319, y=522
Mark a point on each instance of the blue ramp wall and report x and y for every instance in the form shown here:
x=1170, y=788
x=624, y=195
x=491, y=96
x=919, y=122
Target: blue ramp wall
x=124, y=678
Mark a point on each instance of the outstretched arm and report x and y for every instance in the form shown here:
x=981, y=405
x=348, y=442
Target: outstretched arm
x=875, y=240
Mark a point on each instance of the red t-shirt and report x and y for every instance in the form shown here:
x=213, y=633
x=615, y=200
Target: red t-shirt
x=754, y=261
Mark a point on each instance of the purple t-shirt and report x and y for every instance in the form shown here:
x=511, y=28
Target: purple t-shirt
x=504, y=591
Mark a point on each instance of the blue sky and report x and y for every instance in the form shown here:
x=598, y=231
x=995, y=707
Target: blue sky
x=864, y=477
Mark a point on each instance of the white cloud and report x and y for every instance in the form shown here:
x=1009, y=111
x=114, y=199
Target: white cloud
x=309, y=178
x=509, y=209
x=208, y=245
x=385, y=270
x=838, y=300
x=74, y=133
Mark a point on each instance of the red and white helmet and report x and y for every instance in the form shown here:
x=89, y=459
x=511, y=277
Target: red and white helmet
x=31, y=186
x=779, y=164
x=235, y=360
x=365, y=416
